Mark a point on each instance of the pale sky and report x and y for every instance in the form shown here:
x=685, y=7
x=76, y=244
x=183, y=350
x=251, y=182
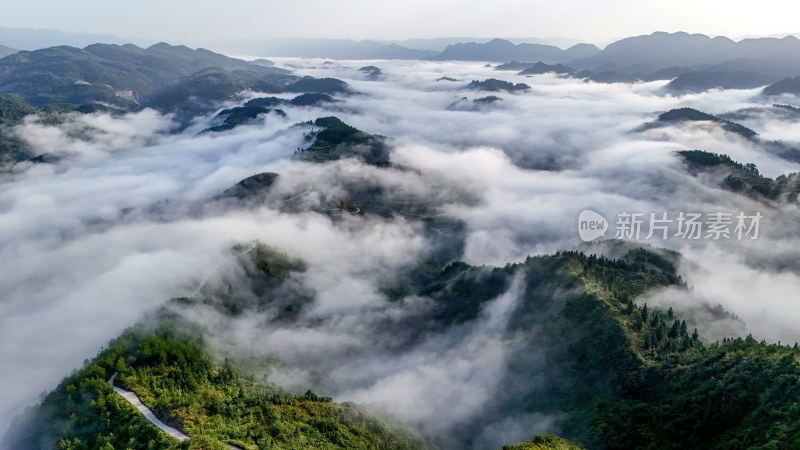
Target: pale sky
x=595, y=21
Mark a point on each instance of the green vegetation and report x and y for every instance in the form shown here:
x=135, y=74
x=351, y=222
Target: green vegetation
x=12, y=149
x=742, y=178
x=790, y=108
x=488, y=100
x=110, y=74
x=739, y=394
x=99, y=108
x=460, y=291
x=689, y=114
x=337, y=140
x=642, y=380
x=693, y=115
x=372, y=72
x=307, y=99
x=252, y=186
x=12, y=110
x=477, y=104
x=619, y=374
x=318, y=85
x=574, y=306
x=213, y=404
x=273, y=262
x=627, y=375
x=702, y=158
x=198, y=94
x=494, y=85
x=242, y=115
x=266, y=102
x=545, y=442
x=312, y=99
x=201, y=93
x=170, y=79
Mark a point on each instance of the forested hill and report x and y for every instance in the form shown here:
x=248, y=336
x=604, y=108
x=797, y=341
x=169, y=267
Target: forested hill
x=119, y=75
x=214, y=404
x=620, y=374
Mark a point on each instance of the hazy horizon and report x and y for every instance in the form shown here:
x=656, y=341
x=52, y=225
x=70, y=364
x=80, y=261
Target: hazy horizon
x=580, y=20
x=362, y=225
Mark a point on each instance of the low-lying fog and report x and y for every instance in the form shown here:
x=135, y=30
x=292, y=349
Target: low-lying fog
x=90, y=244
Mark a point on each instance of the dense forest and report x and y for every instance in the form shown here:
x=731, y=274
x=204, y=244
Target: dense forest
x=213, y=404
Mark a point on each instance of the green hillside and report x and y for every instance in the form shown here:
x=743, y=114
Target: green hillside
x=334, y=139
x=546, y=442
x=742, y=178
x=617, y=373
x=495, y=85
x=12, y=110
x=213, y=404
x=241, y=115
x=118, y=75
x=692, y=115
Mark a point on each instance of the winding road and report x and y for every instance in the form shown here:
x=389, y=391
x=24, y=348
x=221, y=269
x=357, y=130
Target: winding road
x=134, y=400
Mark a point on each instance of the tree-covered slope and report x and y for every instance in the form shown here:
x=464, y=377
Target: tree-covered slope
x=12, y=110
x=495, y=85
x=119, y=75
x=613, y=373
x=333, y=139
x=626, y=375
x=688, y=115
x=546, y=442
x=213, y=404
x=742, y=178
x=785, y=86
x=656, y=385
x=241, y=115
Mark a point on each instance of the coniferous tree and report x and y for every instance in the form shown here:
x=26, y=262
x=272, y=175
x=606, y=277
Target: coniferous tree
x=675, y=329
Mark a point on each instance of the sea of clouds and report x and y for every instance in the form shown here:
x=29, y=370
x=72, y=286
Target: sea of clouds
x=117, y=226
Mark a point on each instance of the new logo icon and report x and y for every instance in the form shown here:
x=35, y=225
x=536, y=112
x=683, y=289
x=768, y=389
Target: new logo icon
x=591, y=225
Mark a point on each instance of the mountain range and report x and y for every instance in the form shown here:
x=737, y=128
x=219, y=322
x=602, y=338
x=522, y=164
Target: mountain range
x=321, y=48
x=583, y=352
x=615, y=372
x=6, y=51
x=439, y=44
x=699, y=61
x=696, y=62
x=35, y=39
x=118, y=78
x=118, y=74
x=500, y=50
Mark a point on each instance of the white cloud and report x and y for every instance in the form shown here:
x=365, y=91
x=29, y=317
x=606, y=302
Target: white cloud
x=116, y=228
